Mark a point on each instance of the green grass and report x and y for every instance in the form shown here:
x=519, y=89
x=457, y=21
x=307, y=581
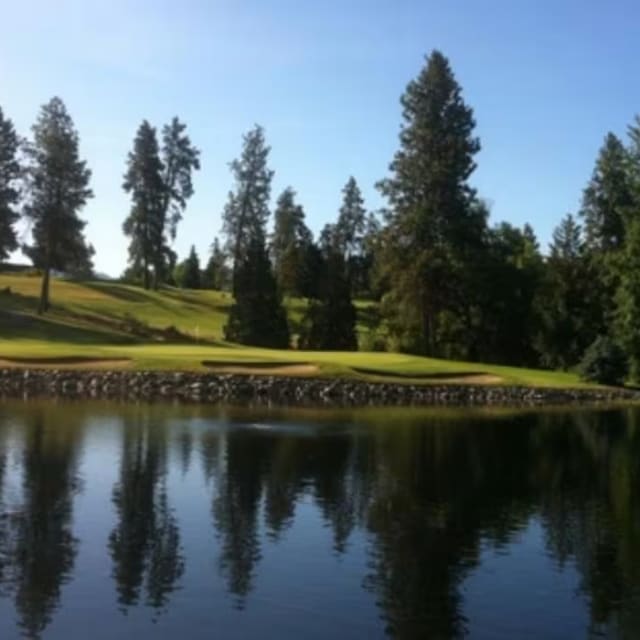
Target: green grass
x=94, y=320
x=103, y=307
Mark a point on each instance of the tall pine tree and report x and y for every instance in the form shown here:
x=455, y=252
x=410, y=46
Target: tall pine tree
x=180, y=159
x=507, y=277
x=246, y=213
x=9, y=193
x=431, y=220
x=565, y=299
x=607, y=201
x=257, y=316
x=352, y=219
x=216, y=274
x=289, y=244
x=627, y=263
x=351, y=228
x=330, y=321
x=188, y=272
x=57, y=189
x=159, y=182
x=607, y=198
x=628, y=298
x=146, y=222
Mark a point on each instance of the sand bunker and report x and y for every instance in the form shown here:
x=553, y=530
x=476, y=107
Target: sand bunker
x=64, y=362
x=462, y=377
x=265, y=369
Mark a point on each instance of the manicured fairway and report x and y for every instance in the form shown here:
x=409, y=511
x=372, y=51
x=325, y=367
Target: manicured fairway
x=116, y=325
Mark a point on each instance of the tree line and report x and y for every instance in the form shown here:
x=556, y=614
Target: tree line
x=447, y=283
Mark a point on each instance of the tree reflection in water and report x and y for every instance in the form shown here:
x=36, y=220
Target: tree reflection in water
x=145, y=543
x=38, y=546
x=427, y=492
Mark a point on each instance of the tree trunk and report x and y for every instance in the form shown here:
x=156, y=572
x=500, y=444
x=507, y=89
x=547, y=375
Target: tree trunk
x=426, y=333
x=146, y=274
x=427, y=324
x=44, y=292
x=156, y=279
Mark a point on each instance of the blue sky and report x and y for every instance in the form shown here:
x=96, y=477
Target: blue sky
x=546, y=79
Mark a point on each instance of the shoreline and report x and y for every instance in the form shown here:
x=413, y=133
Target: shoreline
x=216, y=388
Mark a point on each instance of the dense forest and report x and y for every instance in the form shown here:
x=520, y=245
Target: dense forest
x=446, y=282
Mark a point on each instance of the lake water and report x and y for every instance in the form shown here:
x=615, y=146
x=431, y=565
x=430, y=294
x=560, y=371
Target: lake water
x=152, y=521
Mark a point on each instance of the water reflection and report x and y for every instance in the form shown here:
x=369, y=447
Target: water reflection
x=406, y=503
x=38, y=546
x=145, y=543
x=236, y=503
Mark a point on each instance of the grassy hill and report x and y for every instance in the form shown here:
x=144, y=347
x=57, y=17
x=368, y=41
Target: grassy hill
x=112, y=324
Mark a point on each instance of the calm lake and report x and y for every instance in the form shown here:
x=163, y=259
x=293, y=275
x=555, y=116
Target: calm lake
x=158, y=521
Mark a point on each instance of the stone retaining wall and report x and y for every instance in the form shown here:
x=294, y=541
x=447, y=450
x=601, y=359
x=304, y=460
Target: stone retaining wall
x=215, y=388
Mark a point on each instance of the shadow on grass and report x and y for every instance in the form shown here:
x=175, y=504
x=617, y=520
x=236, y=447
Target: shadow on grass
x=119, y=292
x=129, y=293
x=194, y=299
x=13, y=301
x=18, y=325
x=254, y=364
x=63, y=360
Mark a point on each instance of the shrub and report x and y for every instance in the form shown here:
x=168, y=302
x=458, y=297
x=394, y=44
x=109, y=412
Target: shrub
x=372, y=340
x=604, y=362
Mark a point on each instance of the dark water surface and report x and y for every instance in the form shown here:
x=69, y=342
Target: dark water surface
x=138, y=521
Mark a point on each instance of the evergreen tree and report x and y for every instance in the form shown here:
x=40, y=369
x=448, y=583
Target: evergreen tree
x=626, y=262
x=633, y=161
x=329, y=238
x=247, y=210
x=498, y=320
x=628, y=298
x=145, y=223
x=352, y=219
x=607, y=201
x=364, y=278
x=9, y=194
x=567, y=240
x=57, y=189
x=312, y=272
x=607, y=198
x=351, y=227
x=188, y=272
x=291, y=238
x=180, y=159
x=432, y=223
x=216, y=274
x=159, y=182
x=257, y=316
x=565, y=300
x=209, y=274
x=331, y=319
x=165, y=267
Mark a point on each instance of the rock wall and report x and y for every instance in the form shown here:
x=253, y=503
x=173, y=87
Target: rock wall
x=216, y=388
